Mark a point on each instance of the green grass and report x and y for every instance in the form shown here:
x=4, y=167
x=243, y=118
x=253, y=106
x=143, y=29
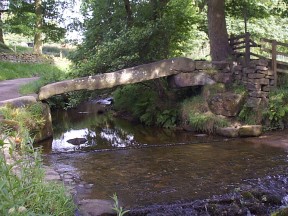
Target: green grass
x=48, y=73
x=195, y=112
x=21, y=49
x=4, y=48
x=25, y=192
x=11, y=70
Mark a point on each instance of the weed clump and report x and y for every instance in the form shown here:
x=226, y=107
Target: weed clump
x=195, y=112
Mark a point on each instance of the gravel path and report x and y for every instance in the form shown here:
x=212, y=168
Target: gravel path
x=9, y=89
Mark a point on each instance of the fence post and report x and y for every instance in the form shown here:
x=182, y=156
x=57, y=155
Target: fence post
x=274, y=61
x=247, y=48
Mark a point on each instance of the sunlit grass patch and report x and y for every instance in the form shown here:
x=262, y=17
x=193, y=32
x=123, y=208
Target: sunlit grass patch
x=13, y=70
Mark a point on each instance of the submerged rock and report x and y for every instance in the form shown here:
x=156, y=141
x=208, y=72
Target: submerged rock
x=77, y=141
x=252, y=201
x=95, y=207
x=105, y=101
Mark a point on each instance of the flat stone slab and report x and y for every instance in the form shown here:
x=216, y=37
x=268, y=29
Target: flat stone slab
x=136, y=74
x=243, y=131
x=20, y=101
x=250, y=130
x=230, y=132
x=190, y=79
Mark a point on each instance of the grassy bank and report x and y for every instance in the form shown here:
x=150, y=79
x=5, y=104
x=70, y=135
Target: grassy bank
x=12, y=70
x=23, y=188
x=47, y=72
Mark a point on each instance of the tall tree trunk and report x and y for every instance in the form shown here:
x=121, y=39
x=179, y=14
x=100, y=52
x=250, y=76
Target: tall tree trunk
x=1, y=29
x=157, y=6
x=38, y=43
x=128, y=13
x=218, y=36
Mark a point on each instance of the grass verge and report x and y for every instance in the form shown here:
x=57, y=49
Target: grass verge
x=12, y=70
x=48, y=73
x=23, y=190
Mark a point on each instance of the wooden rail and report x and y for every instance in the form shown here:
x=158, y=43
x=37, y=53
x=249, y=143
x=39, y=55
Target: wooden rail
x=242, y=44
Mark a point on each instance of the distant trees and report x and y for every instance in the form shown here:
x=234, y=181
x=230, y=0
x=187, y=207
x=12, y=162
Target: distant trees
x=129, y=32
x=3, y=8
x=36, y=18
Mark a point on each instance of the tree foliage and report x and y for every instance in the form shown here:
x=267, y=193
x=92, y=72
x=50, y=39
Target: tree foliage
x=124, y=33
x=22, y=18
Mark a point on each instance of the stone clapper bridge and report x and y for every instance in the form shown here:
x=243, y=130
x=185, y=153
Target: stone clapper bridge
x=180, y=70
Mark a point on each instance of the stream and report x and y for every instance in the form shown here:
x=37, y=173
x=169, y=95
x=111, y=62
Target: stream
x=146, y=166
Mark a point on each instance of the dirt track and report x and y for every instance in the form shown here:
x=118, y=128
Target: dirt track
x=9, y=89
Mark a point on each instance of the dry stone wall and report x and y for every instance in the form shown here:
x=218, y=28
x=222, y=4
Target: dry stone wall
x=25, y=58
x=258, y=80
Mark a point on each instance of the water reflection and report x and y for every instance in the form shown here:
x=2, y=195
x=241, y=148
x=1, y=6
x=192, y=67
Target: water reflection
x=106, y=132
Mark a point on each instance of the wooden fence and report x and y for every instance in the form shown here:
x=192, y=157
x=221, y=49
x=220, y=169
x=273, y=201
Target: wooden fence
x=272, y=50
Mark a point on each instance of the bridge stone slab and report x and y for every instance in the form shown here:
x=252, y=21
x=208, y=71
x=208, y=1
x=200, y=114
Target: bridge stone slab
x=136, y=74
x=190, y=79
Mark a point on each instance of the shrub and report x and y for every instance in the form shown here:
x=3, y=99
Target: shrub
x=237, y=88
x=277, y=111
x=281, y=212
x=23, y=190
x=247, y=115
x=145, y=104
x=4, y=48
x=192, y=105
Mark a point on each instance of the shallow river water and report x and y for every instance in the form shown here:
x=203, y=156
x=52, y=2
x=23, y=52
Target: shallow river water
x=149, y=165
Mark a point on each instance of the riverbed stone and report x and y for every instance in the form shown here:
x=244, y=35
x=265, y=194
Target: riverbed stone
x=95, y=207
x=250, y=130
x=230, y=132
x=77, y=141
x=226, y=104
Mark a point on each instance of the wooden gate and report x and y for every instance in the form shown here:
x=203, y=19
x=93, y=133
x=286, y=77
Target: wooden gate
x=275, y=52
